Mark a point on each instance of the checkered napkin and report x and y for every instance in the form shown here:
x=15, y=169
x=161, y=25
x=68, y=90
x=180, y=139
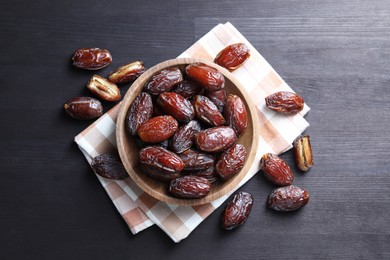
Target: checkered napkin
x=277, y=133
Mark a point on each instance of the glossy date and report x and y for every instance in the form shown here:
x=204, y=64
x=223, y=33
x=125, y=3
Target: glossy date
x=236, y=115
x=190, y=187
x=232, y=56
x=276, y=170
x=207, y=111
x=183, y=139
x=285, y=102
x=215, y=139
x=140, y=110
x=109, y=165
x=288, y=198
x=104, y=88
x=157, y=129
x=231, y=161
x=91, y=58
x=163, y=81
x=194, y=160
x=127, y=72
x=177, y=106
x=237, y=210
x=208, y=77
x=83, y=108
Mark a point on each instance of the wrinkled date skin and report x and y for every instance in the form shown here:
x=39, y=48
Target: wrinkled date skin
x=208, y=77
x=163, y=81
x=187, y=89
x=140, y=110
x=231, y=161
x=157, y=129
x=127, y=72
x=190, y=187
x=215, y=139
x=194, y=160
x=219, y=98
x=183, y=139
x=207, y=111
x=276, y=170
x=233, y=56
x=236, y=115
x=83, y=108
x=159, y=163
x=208, y=174
x=288, y=198
x=177, y=106
x=285, y=102
x=91, y=58
x=109, y=165
x=103, y=88
x=237, y=210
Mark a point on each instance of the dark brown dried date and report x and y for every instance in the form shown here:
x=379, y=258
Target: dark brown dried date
x=237, y=210
x=232, y=56
x=215, y=139
x=194, y=160
x=127, y=72
x=208, y=174
x=109, y=165
x=285, y=102
x=288, y=198
x=159, y=163
x=139, y=111
x=83, y=108
x=177, y=106
x=157, y=129
x=231, y=161
x=236, y=115
x=207, y=111
x=218, y=97
x=276, y=170
x=163, y=81
x=183, y=139
x=190, y=187
x=187, y=89
x=208, y=77
x=91, y=58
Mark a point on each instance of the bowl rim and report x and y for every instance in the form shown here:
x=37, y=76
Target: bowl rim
x=120, y=132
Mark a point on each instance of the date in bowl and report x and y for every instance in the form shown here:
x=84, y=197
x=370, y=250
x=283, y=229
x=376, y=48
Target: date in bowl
x=129, y=151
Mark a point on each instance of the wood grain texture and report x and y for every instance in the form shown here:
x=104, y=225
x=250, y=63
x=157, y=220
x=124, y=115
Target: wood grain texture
x=334, y=53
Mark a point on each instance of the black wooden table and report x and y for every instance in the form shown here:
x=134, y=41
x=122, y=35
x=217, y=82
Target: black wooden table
x=336, y=54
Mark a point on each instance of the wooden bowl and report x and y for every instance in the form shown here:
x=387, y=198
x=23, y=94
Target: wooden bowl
x=128, y=150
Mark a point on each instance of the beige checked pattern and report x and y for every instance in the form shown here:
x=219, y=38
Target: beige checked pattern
x=277, y=132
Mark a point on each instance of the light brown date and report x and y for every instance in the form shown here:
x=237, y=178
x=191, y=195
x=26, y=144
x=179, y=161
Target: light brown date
x=183, y=139
x=285, y=102
x=236, y=115
x=177, y=106
x=276, y=170
x=194, y=160
x=218, y=97
x=288, y=198
x=103, y=88
x=139, y=111
x=215, y=139
x=231, y=161
x=157, y=129
x=207, y=111
x=208, y=77
x=190, y=187
x=91, y=58
x=232, y=56
x=163, y=81
x=187, y=89
x=303, y=153
x=109, y=165
x=83, y=108
x=127, y=72
x=237, y=210
x=159, y=163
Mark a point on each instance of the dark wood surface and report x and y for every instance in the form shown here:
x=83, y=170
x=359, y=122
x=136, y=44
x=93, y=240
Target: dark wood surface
x=335, y=53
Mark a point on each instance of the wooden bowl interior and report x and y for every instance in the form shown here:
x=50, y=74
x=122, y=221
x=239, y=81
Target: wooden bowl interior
x=128, y=149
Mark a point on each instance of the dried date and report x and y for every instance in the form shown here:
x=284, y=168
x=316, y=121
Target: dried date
x=285, y=102
x=127, y=72
x=163, y=81
x=232, y=56
x=157, y=129
x=187, y=89
x=190, y=187
x=194, y=160
x=219, y=98
x=208, y=174
x=208, y=77
x=109, y=165
x=237, y=210
x=215, y=139
x=183, y=139
x=91, y=58
x=140, y=110
x=231, y=161
x=159, y=163
x=288, y=198
x=83, y=108
x=303, y=153
x=103, y=88
x=235, y=114
x=276, y=170
x=207, y=111
x=177, y=106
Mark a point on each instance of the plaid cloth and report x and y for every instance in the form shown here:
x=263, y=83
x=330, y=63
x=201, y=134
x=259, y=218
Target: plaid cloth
x=277, y=133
